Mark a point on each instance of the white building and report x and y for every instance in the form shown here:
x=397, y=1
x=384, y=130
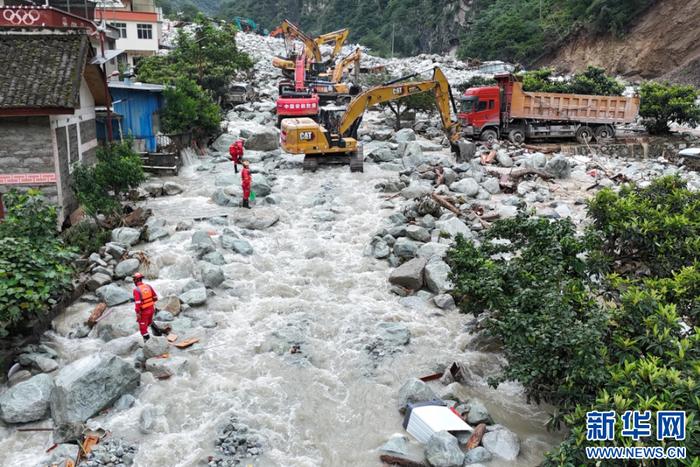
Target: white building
x=139, y=23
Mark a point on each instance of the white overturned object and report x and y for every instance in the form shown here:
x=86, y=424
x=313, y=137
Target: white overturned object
x=423, y=419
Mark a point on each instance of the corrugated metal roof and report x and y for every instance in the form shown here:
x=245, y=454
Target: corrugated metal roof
x=136, y=86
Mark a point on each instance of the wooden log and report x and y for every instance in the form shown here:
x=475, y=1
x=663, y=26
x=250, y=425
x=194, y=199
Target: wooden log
x=440, y=176
x=475, y=439
x=446, y=204
x=543, y=149
x=96, y=314
x=488, y=158
x=395, y=460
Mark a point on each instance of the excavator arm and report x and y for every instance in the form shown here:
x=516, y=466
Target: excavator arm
x=350, y=59
x=338, y=37
x=291, y=31
x=396, y=90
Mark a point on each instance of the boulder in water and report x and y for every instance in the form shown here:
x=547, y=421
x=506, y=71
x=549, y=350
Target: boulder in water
x=113, y=295
x=127, y=267
x=409, y=274
x=502, y=443
x=172, y=188
x=265, y=139
x=126, y=235
x=212, y=275
x=437, y=276
x=442, y=450
x=27, y=401
x=167, y=367
x=414, y=390
x=85, y=387
x=257, y=220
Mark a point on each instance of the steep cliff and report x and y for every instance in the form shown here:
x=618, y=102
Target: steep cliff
x=664, y=43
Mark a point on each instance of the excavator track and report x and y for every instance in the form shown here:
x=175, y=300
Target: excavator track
x=310, y=163
x=357, y=161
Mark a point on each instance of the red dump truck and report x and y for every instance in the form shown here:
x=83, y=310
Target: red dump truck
x=506, y=111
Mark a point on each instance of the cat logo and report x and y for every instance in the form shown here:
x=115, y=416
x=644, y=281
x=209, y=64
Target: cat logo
x=397, y=91
x=306, y=135
x=413, y=89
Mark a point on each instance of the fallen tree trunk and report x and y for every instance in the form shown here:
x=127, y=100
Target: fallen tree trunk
x=446, y=204
x=96, y=314
x=395, y=460
x=475, y=439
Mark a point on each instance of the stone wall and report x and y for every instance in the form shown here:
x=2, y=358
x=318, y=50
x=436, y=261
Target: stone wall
x=640, y=148
x=25, y=145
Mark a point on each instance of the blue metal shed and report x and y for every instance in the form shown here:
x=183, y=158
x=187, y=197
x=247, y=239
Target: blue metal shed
x=139, y=106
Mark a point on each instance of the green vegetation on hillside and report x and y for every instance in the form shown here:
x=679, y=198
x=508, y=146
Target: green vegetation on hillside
x=605, y=320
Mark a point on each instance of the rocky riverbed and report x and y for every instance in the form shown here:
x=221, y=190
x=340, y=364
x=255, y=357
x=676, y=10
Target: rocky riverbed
x=314, y=312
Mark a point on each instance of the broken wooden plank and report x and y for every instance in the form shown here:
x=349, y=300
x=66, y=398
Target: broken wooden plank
x=475, y=439
x=186, y=343
x=96, y=314
x=89, y=443
x=446, y=204
x=171, y=338
x=432, y=377
x=395, y=460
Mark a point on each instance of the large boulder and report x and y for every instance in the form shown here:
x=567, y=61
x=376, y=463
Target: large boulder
x=194, y=297
x=416, y=189
x=127, y=267
x=442, y=450
x=86, y=387
x=393, y=334
x=212, y=275
x=257, y=220
x=437, y=277
x=223, y=142
x=559, y=167
x=97, y=280
x=409, y=274
x=467, y=186
x=433, y=249
x=502, y=443
x=453, y=227
x=27, y=401
x=477, y=455
x=233, y=241
x=404, y=135
x=415, y=390
x=126, y=235
x=266, y=139
x=166, y=367
x=113, y=295
x=418, y=233
x=261, y=185
x=155, y=347
x=405, y=248
x=222, y=198
x=478, y=413
x=120, y=322
x=172, y=188
x=202, y=242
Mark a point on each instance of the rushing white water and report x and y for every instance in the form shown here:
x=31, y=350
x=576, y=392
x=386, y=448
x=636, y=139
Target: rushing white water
x=331, y=405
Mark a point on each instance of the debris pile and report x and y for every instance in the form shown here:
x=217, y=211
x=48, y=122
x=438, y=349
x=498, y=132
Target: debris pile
x=236, y=443
x=112, y=452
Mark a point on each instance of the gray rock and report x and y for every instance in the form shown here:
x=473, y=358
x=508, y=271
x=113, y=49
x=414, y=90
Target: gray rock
x=126, y=235
x=226, y=179
x=120, y=322
x=113, y=295
x=502, y=443
x=222, y=143
x=171, y=304
x=442, y=450
x=260, y=219
x=433, y=249
x=124, y=346
x=411, y=154
x=260, y=185
x=221, y=198
x=202, y=242
x=397, y=231
x=437, y=276
x=237, y=244
x=115, y=250
x=503, y=158
x=416, y=189
x=405, y=248
x=215, y=257
x=124, y=402
x=477, y=413
x=27, y=401
x=18, y=377
x=380, y=249
x=40, y=361
x=467, y=186
x=154, y=189
x=467, y=150
x=491, y=185
x=453, y=227
x=154, y=233
x=167, y=367
x=165, y=315
x=127, y=267
x=558, y=167
x=417, y=233
x=172, y=188
x=155, y=347
x=62, y=453
x=85, y=387
x=444, y=301
x=414, y=390
x=95, y=259
x=477, y=455
x=397, y=445
x=505, y=212
x=409, y=274
x=382, y=154
x=266, y=139
x=404, y=135
x=97, y=280
x=194, y=297
x=212, y=275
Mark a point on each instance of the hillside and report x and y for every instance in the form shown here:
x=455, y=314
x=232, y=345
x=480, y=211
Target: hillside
x=664, y=43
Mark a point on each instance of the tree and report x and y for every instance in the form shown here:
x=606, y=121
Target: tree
x=475, y=82
x=593, y=81
x=209, y=56
x=663, y=103
x=99, y=188
x=188, y=107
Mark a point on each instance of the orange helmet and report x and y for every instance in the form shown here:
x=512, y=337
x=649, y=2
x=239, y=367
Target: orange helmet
x=138, y=277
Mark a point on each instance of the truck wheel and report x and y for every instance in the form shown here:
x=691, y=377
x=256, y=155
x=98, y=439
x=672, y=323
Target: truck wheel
x=489, y=136
x=584, y=134
x=604, y=132
x=516, y=136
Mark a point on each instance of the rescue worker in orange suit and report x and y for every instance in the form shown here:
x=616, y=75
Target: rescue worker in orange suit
x=245, y=184
x=236, y=153
x=145, y=299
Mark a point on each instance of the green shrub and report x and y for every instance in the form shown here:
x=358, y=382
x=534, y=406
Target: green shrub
x=99, y=188
x=663, y=103
x=35, y=265
x=593, y=81
x=86, y=236
x=475, y=82
x=188, y=107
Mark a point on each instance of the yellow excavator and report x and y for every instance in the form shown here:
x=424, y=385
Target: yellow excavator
x=334, y=141
x=312, y=48
x=350, y=60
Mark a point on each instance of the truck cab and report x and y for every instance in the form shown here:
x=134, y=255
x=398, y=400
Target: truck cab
x=479, y=112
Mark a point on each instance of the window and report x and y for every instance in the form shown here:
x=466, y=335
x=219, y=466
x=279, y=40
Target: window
x=121, y=27
x=481, y=106
x=144, y=31
x=492, y=104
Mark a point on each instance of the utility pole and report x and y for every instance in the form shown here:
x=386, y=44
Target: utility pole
x=393, y=29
